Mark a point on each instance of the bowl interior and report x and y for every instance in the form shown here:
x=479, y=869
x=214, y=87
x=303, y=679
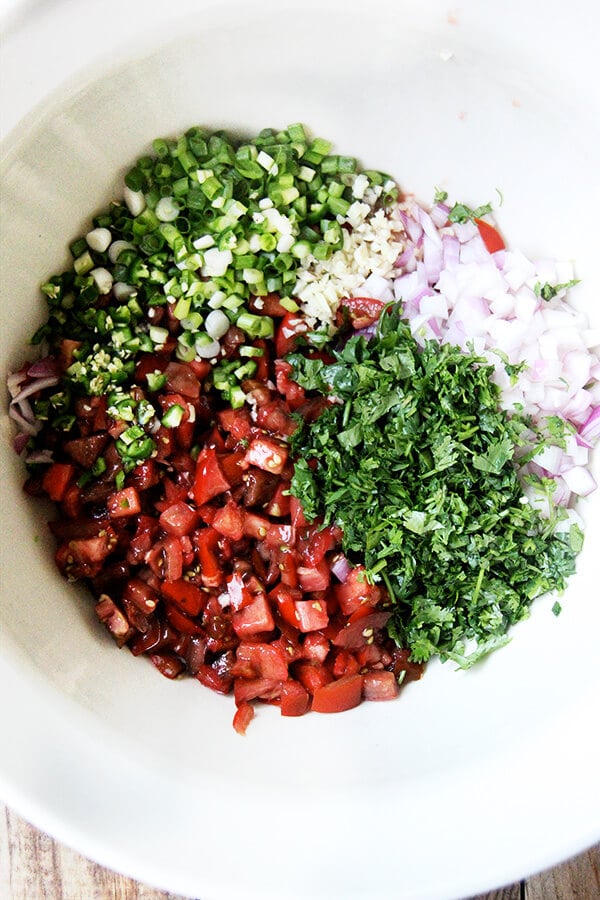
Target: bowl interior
x=439, y=100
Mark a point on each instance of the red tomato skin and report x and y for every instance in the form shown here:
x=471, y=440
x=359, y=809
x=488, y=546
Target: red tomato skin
x=267, y=454
x=124, y=503
x=338, y=696
x=56, y=480
x=243, y=716
x=210, y=480
x=364, y=311
x=178, y=519
x=295, y=699
x=492, y=239
x=254, y=618
x=311, y=614
x=291, y=327
x=186, y=595
x=380, y=685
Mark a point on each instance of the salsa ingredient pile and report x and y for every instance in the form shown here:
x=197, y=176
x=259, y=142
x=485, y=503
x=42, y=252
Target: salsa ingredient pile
x=302, y=433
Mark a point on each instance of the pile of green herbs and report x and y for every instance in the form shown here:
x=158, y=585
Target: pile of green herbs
x=415, y=461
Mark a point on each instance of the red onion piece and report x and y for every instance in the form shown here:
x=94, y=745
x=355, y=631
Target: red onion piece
x=590, y=430
x=39, y=385
x=28, y=427
x=341, y=568
x=44, y=368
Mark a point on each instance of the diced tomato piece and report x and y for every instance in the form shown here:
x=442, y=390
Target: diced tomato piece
x=291, y=327
x=201, y=368
x=145, y=475
x=178, y=519
x=276, y=418
x=256, y=526
x=141, y=594
x=207, y=542
x=364, y=311
x=492, y=239
x=280, y=535
x=266, y=660
x=245, y=689
x=297, y=513
x=168, y=664
x=182, y=380
x=172, y=558
x=113, y=618
x=229, y=521
x=355, y=635
x=345, y=663
x=268, y=305
x=285, y=599
x=356, y=592
x=233, y=467
x=86, y=450
x=294, y=394
x=210, y=479
x=238, y=592
x=403, y=666
x=237, y=422
x=186, y=595
x=268, y=454
x=210, y=677
x=312, y=615
x=338, y=696
x=148, y=364
x=72, y=502
x=182, y=622
x=316, y=646
x=318, y=541
x=56, y=480
x=312, y=675
x=279, y=505
x=314, y=578
x=254, y=618
x=243, y=716
x=295, y=699
x=380, y=686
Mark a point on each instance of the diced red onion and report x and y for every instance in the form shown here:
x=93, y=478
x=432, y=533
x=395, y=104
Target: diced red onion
x=27, y=426
x=45, y=367
x=39, y=384
x=590, y=430
x=341, y=568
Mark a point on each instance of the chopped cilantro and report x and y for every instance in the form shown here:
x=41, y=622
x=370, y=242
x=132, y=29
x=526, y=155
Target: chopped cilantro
x=461, y=213
x=548, y=291
x=414, y=460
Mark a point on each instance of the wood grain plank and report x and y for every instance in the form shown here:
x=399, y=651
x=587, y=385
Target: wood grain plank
x=34, y=867
x=578, y=879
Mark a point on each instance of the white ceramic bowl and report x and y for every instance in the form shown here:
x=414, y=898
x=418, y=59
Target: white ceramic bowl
x=469, y=780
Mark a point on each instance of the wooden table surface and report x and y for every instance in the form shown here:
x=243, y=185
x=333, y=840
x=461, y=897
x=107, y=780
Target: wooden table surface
x=34, y=867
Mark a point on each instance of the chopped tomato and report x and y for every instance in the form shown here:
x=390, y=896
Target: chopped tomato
x=380, y=686
x=291, y=327
x=295, y=699
x=364, y=311
x=186, y=595
x=210, y=480
x=311, y=614
x=492, y=239
x=337, y=696
x=229, y=521
x=178, y=519
x=243, y=716
x=207, y=542
x=56, y=480
x=356, y=592
x=254, y=618
x=268, y=454
x=356, y=634
x=314, y=578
